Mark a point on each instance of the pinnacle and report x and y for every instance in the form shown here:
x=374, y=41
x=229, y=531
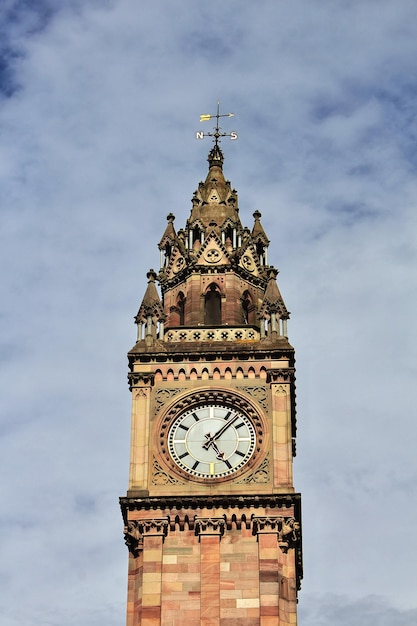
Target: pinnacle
x=216, y=157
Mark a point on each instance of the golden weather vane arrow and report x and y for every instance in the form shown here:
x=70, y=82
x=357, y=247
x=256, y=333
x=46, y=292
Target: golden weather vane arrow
x=217, y=134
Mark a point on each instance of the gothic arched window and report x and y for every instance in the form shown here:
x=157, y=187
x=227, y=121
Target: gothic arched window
x=181, y=308
x=168, y=250
x=212, y=306
x=248, y=309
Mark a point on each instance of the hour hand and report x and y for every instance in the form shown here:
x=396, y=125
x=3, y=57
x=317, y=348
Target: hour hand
x=210, y=442
x=219, y=455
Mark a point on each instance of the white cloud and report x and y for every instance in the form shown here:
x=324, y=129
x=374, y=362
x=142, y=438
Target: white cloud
x=97, y=148
x=331, y=609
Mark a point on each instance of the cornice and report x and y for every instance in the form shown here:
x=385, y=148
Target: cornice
x=195, y=502
x=283, y=518
x=163, y=351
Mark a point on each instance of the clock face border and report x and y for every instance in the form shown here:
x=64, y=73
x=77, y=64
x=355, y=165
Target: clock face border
x=211, y=441
x=193, y=400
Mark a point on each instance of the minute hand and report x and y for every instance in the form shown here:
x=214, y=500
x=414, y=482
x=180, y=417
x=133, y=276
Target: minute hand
x=212, y=439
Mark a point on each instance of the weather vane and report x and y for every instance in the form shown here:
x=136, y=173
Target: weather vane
x=217, y=134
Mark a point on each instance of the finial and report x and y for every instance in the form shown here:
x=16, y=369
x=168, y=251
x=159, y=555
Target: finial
x=257, y=215
x=151, y=276
x=170, y=217
x=216, y=154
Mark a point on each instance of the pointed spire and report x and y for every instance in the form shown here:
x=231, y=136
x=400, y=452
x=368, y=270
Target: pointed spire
x=258, y=233
x=215, y=199
x=151, y=304
x=169, y=235
x=260, y=239
x=273, y=302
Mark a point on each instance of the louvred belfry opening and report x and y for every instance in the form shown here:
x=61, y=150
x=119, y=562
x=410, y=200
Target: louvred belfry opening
x=212, y=519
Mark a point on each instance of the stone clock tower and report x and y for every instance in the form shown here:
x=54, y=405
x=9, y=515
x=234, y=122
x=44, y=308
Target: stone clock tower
x=212, y=521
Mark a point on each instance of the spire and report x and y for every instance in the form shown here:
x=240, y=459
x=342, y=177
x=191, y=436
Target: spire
x=151, y=305
x=169, y=235
x=273, y=302
x=260, y=239
x=258, y=233
x=273, y=308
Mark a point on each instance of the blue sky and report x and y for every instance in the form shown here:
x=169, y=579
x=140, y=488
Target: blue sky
x=99, y=102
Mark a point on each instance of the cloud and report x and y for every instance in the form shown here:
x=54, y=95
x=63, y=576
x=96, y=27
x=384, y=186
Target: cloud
x=330, y=609
x=100, y=105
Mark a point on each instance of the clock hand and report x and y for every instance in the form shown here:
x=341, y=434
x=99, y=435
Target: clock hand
x=220, y=455
x=211, y=439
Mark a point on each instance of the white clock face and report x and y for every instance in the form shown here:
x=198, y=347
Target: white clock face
x=211, y=440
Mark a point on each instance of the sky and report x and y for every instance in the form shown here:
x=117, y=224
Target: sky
x=99, y=104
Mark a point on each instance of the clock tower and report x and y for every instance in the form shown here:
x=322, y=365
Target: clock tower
x=212, y=520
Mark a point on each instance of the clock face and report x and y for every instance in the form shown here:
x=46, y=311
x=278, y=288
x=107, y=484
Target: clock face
x=211, y=440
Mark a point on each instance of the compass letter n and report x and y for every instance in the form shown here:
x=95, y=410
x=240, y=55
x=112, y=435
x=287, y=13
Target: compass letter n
x=199, y=135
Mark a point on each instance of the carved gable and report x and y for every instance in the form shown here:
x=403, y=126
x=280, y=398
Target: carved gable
x=249, y=260
x=212, y=252
x=176, y=265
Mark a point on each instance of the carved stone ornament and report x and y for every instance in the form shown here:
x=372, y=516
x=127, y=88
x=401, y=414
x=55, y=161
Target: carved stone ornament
x=161, y=477
x=133, y=538
x=212, y=255
x=248, y=263
x=135, y=531
x=179, y=264
x=259, y=393
x=287, y=530
x=155, y=527
x=260, y=476
x=281, y=375
x=162, y=396
x=144, y=379
x=209, y=526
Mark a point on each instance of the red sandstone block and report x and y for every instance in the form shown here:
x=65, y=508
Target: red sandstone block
x=267, y=540
x=152, y=567
x=266, y=620
x=170, y=606
x=227, y=584
x=250, y=585
x=227, y=603
x=190, y=617
x=171, y=587
x=209, y=589
x=239, y=621
x=239, y=614
x=151, y=613
x=268, y=610
x=243, y=567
